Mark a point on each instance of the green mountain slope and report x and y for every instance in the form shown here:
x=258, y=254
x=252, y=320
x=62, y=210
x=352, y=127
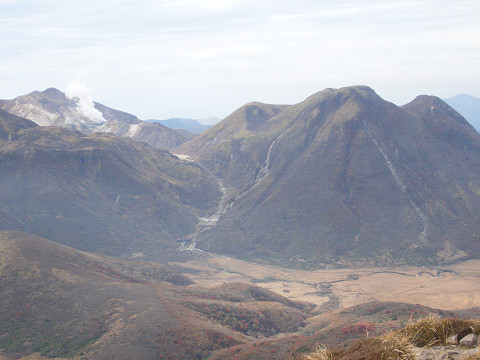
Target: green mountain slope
x=98, y=192
x=60, y=302
x=344, y=177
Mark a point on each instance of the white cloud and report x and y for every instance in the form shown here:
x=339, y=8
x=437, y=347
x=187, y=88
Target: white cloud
x=207, y=4
x=198, y=58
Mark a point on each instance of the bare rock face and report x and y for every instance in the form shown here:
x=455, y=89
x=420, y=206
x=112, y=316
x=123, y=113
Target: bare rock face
x=53, y=108
x=344, y=177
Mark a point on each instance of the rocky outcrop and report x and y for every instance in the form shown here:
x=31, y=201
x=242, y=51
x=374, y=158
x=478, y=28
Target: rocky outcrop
x=445, y=353
x=456, y=349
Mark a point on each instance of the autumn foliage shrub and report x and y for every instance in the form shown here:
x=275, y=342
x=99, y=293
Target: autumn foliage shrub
x=262, y=319
x=357, y=328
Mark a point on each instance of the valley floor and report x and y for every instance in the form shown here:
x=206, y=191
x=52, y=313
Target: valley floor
x=451, y=287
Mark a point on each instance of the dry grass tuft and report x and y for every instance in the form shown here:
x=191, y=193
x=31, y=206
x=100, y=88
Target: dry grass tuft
x=320, y=353
x=432, y=330
x=391, y=346
x=399, y=345
x=426, y=332
x=396, y=346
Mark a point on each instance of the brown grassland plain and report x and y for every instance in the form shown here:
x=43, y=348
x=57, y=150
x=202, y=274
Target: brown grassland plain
x=450, y=287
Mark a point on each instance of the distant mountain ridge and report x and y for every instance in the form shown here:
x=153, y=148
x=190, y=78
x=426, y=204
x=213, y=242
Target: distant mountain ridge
x=468, y=106
x=52, y=107
x=343, y=177
x=186, y=124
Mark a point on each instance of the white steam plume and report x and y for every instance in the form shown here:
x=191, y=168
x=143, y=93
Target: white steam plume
x=81, y=94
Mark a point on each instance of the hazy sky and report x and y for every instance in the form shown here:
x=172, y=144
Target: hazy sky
x=200, y=58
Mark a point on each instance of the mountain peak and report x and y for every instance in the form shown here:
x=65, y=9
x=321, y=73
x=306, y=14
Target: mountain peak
x=358, y=93
x=463, y=97
x=426, y=104
x=432, y=106
x=427, y=99
x=363, y=90
x=468, y=106
x=51, y=93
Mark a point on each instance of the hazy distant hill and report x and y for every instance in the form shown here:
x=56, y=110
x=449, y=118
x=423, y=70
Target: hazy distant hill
x=344, y=176
x=185, y=124
x=468, y=106
x=98, y=192
x=64, y=303
x=53, y=108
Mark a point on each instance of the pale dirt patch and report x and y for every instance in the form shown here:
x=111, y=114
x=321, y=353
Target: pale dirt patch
x=66, y=276
x=296, y=291
x=458, y=288
x=116, y=325
x=183, y=157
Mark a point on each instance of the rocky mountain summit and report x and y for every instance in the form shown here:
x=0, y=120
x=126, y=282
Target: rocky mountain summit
x=52, y=107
